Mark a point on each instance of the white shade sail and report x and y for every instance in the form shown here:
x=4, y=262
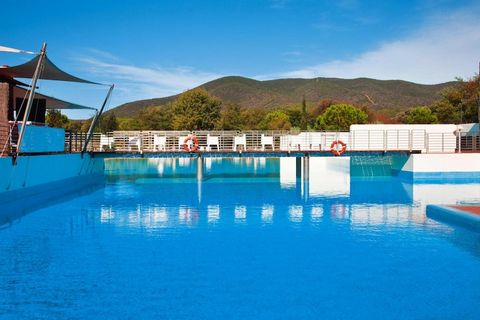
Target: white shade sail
x=13, y=50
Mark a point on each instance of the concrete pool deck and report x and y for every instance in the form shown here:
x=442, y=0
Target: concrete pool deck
x=464, y=215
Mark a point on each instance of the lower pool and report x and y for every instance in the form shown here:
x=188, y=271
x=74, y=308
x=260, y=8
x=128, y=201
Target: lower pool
x=250, y=238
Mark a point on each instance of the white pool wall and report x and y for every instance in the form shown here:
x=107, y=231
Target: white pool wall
x=438, y=166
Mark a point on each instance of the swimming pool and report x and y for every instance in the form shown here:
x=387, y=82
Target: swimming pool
x=250, y=238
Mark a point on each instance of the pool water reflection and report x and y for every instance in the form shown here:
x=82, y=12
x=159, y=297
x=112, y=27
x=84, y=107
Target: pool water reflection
x=249, y=238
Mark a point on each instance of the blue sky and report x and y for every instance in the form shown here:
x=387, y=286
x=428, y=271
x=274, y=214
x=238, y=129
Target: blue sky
x=158, y=48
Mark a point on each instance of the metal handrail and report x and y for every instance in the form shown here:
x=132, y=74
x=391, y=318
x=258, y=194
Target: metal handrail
x=358, y=140
x=237, y=141
x=5, y=139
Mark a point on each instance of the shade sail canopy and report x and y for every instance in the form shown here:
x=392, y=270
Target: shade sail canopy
x=13, y=50
x=50, y=71
x=12, y=81
x=51, y=102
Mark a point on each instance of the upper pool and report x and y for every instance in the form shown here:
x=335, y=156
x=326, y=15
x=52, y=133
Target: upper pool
x=248, y=238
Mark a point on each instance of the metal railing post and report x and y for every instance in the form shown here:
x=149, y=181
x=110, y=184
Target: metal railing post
x=368, y=140
x=443, y=142
x=410, y=138
x=398, y=139
x=459, y=139
x=353, y=140
x=384, y=140
x=426, y=144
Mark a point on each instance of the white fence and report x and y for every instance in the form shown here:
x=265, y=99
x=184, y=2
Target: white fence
x=358, y=140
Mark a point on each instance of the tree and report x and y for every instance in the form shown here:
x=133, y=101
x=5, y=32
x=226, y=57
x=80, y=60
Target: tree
x=276, y=120
x=421, y=115
x=231, y=117
x=294, y=115
x=304, y=115
x=54, y=118
x=86, y=125
x=127, y=124
x=382, y=118
x=74, y=125
x=107, y=123
x=252, y=117
x=459, y=103
x=155, y=118
x=339, y=117
x=195, y=110
x=446, y=112
x=321, y=107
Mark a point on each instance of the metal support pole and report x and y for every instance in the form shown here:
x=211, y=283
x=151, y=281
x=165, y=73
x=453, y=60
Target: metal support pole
x=298, y=167
x=200, y=168
x=95, y=119
x=31, y=96
x=306, y=168
x=199, y=178
x=306, y=177
x=70, y=142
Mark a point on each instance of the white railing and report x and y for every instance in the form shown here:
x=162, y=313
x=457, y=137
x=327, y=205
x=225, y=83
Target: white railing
x=235, y=141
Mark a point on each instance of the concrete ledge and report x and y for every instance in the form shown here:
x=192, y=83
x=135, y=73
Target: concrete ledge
x=244, y=154
x=454, y=216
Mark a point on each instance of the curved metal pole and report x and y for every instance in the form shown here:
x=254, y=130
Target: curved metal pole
x=31, y=96
x=95, y=119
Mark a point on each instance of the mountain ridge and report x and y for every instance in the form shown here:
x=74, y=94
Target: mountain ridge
x=388, y=96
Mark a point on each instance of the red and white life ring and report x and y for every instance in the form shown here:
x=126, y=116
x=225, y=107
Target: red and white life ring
x=194, y=146
x=338, y=151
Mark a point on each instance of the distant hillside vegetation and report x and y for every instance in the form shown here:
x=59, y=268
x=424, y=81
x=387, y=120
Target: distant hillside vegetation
x=381, y=95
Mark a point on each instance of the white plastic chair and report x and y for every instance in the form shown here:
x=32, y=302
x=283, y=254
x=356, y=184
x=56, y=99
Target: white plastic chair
x=106, y=142
x=267, y=140
x=212, y=141
x=134, y=142
x=240, y=141
x=159, y=142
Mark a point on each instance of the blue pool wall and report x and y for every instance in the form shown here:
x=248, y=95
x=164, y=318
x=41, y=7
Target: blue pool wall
x=47, y=174
x=51, y=173
x=419, y=168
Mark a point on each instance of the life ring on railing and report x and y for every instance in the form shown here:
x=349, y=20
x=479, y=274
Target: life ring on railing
x=334, y=147
x=194, y=146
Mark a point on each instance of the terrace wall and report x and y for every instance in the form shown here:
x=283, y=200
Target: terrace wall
x=5, y=98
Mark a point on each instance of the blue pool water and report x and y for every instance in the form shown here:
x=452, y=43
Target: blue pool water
x=248, y=240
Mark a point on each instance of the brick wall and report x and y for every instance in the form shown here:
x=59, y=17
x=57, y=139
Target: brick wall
x=5, y=99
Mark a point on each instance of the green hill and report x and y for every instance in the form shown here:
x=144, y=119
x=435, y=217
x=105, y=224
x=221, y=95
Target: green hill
x=382, y=95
